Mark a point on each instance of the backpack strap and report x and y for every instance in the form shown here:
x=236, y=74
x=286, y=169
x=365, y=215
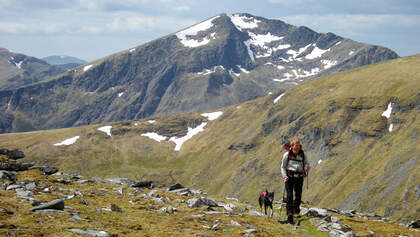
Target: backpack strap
x=289, y=158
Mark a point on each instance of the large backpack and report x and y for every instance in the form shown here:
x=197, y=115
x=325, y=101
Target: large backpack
x=288, y=148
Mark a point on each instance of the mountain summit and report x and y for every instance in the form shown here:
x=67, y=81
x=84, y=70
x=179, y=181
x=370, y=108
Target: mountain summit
x=224, y=60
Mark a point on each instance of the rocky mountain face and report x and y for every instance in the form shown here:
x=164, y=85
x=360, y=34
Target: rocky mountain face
x=43, y=201
x=225, y=60
x=18, y=70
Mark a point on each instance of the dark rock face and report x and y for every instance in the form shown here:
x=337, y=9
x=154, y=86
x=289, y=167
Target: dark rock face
x=12, y=154
x=20, y=70
x=223, y=65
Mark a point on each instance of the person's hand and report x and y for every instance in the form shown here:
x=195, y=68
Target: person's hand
x=307, y=168
x=285, y=179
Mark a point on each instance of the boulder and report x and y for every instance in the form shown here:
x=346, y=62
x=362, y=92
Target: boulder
x=175, y=187
x=10, y=166
x=203, y=201
x=89, y=232
x=12, y=154
x=7, y=175
x=57, y=204
x=317, y=212
x=142, y=184
x=47, y=170
x=414, y=224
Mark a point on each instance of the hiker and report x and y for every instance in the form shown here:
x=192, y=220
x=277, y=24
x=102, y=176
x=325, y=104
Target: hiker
x=294, y=167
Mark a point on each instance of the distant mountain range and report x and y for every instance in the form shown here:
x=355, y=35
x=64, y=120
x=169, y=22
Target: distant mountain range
x=21, y=70
x=62, y=59
x=224, y=60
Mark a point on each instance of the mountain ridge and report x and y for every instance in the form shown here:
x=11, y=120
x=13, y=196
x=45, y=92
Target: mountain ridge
x=232, y=59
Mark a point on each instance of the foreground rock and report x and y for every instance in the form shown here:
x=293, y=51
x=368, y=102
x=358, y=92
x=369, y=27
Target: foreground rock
x=56, y=205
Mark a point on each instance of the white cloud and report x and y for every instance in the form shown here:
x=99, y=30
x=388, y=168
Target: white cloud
x=26, y=27
x=145, y=23
x=182, y=8
x=289, y=2
x=351, y=22
x=91, y=29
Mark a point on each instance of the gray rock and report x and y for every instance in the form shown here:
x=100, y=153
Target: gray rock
x=215, y=212
x=23, y=193
x=115, y=208
x=85, y=181
x=335, y=219
x=175, y=187
x=57, y=204
x=229, y=207
x=31, y=186
x=159, y=200
x=153, y=193
x=339, y=233
x=7, y=175
x=255, y=213
x=318, y=212
x=12, y=154
x=249, y=231
x=47, y=170
x=203, y=201
x=168, y=209
x=13, y=186
x=89, y=232
x=234, y=223
x=118, y=180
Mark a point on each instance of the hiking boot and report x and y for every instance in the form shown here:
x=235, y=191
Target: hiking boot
x=290, y=219
x=296, y=215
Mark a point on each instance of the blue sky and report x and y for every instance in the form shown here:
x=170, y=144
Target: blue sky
x=91, y=29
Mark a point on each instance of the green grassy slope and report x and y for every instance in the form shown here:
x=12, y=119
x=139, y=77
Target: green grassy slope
x=338, y=118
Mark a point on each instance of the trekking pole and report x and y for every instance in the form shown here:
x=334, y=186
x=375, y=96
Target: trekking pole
x=307, y=181
x=282, y=200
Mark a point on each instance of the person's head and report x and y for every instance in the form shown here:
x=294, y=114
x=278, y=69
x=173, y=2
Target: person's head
x=295, y=144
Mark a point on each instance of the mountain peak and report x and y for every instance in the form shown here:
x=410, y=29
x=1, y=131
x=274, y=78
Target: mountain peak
x=223, y=60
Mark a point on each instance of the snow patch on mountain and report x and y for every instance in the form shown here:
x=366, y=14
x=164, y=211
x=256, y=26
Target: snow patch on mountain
x=388, y=111
x=191, y=132
x=250, y=52
x=316, y=53
x=212, y=70
x=19, y=64
x=87, y=67
x=278, y=98
x=296, y=53
x=213, y=115
x=68, y=142
x=261, y=40
x=328, y=63
x=154, y=136
x=106, y=129
x=185, y=35
x=244, y=22
x=243, y=69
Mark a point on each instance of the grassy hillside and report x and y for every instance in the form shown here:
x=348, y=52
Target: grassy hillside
x=357, y=163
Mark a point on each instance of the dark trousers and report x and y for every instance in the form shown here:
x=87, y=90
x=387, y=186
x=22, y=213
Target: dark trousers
x=293, y=205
